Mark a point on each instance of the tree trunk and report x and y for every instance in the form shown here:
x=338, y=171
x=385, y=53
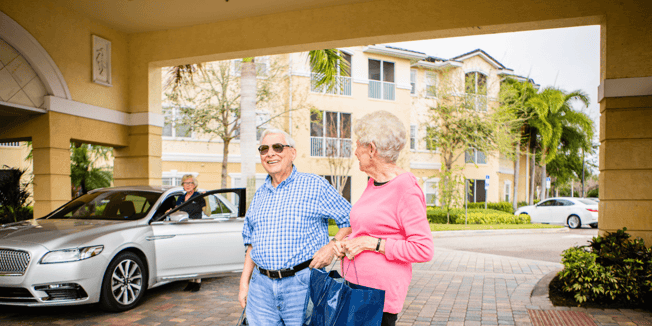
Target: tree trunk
x=533, y=161
x=225, y=162
x=543, y=176
x=517, y=165
x=248, y=126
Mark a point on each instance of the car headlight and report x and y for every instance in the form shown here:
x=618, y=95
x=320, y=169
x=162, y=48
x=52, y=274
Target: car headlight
x=73, y=254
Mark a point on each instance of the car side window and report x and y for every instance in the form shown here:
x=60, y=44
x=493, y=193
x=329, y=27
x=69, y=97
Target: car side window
x=167, y=204
x=548, y=203
x=565, y=202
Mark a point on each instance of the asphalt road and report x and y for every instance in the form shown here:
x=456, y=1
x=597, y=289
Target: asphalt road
x=538, y=246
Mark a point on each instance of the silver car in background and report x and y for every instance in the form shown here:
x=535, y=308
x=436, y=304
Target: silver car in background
x=570, y=211
x=111, y=245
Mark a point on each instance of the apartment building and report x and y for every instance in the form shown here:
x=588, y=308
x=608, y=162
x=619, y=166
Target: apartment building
x=380, y=77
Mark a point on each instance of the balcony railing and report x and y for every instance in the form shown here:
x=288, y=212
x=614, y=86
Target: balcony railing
x=10, y=144
x=342, y=85
x=330, y=147
x=479, y=102
x=381, y=90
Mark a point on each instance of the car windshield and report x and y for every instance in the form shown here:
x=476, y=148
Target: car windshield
x=587, y=202
x=108, y=205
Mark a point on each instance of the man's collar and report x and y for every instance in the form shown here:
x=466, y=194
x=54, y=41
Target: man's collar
x=268, y=181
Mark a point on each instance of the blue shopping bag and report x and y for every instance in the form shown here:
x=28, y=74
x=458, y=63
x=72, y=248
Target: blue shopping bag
x=331, y=300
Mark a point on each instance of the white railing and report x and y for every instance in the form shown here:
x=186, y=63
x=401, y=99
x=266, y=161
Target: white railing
x=342, y=85
x=10, y=144
x=330, y=147
x=381, y=90
x=479, y=102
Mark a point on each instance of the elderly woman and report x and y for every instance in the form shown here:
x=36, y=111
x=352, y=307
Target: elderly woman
x=390, y=230
x=194, y=210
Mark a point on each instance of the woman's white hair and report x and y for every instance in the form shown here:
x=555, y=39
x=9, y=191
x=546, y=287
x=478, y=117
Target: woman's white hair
x=385, y=130
x=272, y=131
x=190, y=176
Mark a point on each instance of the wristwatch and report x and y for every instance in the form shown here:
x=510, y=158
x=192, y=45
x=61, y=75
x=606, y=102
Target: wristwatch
x=378, y=245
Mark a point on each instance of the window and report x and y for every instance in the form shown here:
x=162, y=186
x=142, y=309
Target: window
x=431, y=192
x=237, y=182
x=345, y=188
x=173, y=177
x=330, y=134
x=477, y=193
x=175, y=126
x=413, y=81
x=476, y=89
x=343, y=79
x=171, y=181
x=431, y=84
x=475, y=156
x=508, y=187
x=381, y=80
x=262, y=123
x=413, y=137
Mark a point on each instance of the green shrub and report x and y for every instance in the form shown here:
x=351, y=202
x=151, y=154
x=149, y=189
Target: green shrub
x=476, y=216
x=501, y=206
x=611, y=269
x=524, y=203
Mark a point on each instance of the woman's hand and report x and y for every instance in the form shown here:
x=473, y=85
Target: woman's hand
x=357, y=245
x=338, y=249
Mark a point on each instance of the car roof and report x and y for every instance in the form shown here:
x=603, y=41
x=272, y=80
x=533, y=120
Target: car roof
x=159, y=189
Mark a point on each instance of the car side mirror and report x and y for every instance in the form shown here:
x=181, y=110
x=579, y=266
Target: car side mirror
x=179, y=216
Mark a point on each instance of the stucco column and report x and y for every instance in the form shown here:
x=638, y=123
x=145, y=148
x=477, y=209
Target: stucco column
x=140, y=162
x=51, y=154
x=626, y=124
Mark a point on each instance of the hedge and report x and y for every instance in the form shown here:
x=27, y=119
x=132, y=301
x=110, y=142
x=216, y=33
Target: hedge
x=476, y=216
x=501, y=206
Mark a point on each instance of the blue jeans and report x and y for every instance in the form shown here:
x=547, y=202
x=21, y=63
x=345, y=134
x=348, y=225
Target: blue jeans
x=277, y=301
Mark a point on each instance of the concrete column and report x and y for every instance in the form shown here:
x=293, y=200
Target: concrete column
x=140, y=162
x=51, y=153
x=625, y=124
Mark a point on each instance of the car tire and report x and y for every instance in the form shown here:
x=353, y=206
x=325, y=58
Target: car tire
x=594, y=226
x=574, y=222
x=120, y=293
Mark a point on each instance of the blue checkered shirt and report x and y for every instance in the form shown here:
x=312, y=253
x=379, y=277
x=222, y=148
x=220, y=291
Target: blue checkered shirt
x=286, y=225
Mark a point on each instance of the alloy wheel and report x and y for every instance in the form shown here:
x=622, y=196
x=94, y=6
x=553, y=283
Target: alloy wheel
x=126, y=282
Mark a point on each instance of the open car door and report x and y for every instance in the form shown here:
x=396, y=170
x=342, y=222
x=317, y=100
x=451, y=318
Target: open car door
x=195, y=248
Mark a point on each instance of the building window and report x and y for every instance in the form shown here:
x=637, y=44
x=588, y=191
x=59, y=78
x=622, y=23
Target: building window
x=262, y=123
x=413, y=137
x=431, y=84
x=341, y=185
x=342, y=81
x=431, y=192
x=413, y=81
x=381, y=80
x=508, y=187
x=475, y=156
x=173, y=177
x=330, y=134
x=175, y=126
x=476, y=90
x=477, y=193
x=262, y=66
x=237, y=182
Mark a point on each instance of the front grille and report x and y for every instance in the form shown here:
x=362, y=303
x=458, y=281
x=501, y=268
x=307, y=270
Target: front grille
x=13, y=261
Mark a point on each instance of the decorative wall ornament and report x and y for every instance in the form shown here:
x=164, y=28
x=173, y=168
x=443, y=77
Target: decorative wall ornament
x=101, y=61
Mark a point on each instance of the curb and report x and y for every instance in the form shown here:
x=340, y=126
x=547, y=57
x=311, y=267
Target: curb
x=442, y=234
x=542, y=287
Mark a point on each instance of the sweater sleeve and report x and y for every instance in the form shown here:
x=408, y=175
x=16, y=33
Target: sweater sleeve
x=418, y=245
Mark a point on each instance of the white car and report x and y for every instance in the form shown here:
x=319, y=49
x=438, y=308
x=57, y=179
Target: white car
x=111, y=245
x=570, y=211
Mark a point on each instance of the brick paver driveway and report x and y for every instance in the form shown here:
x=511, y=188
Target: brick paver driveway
x=455, y=288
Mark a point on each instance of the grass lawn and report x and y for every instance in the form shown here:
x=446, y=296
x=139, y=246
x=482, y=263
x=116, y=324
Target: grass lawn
x=332, y=229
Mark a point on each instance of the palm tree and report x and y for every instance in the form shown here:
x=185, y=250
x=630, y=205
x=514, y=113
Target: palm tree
x=83, y=172
x=323, y=62
x=515, y=97
x=554, y=114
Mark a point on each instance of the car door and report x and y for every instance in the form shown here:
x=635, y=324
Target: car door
x=543, y=211
x=189, y=248
x=564, y=209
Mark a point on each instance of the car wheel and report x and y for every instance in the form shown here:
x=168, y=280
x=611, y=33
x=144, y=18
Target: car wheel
x=124, y=283
x=574, y=222
x=594, y=226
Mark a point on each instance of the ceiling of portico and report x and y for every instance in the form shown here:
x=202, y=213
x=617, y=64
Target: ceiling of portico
x=136, y=16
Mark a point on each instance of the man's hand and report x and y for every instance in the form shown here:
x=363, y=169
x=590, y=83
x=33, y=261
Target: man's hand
x=323, y=257
x=338, y=249
x=242, y=295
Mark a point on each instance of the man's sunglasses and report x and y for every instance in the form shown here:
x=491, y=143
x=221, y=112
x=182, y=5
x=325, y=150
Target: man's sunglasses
x=278, y=148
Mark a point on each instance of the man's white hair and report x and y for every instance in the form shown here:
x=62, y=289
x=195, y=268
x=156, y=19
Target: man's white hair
x=385, y=130
x=272, y=131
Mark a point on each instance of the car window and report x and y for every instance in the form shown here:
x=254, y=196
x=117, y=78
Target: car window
x=220, y=207
x=108, y=205
x=547, y=203
x=563, y=202
x=220, y=204
x=587, y=202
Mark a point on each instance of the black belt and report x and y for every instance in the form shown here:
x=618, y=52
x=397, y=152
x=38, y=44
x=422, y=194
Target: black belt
x=286, y=272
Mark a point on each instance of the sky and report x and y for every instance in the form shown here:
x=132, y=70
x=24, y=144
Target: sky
x=567, y=58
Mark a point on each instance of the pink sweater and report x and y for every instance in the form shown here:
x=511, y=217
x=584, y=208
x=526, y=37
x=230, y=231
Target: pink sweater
x=395, y=211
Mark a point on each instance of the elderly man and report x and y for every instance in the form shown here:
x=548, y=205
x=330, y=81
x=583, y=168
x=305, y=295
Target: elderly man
x=285, y=231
